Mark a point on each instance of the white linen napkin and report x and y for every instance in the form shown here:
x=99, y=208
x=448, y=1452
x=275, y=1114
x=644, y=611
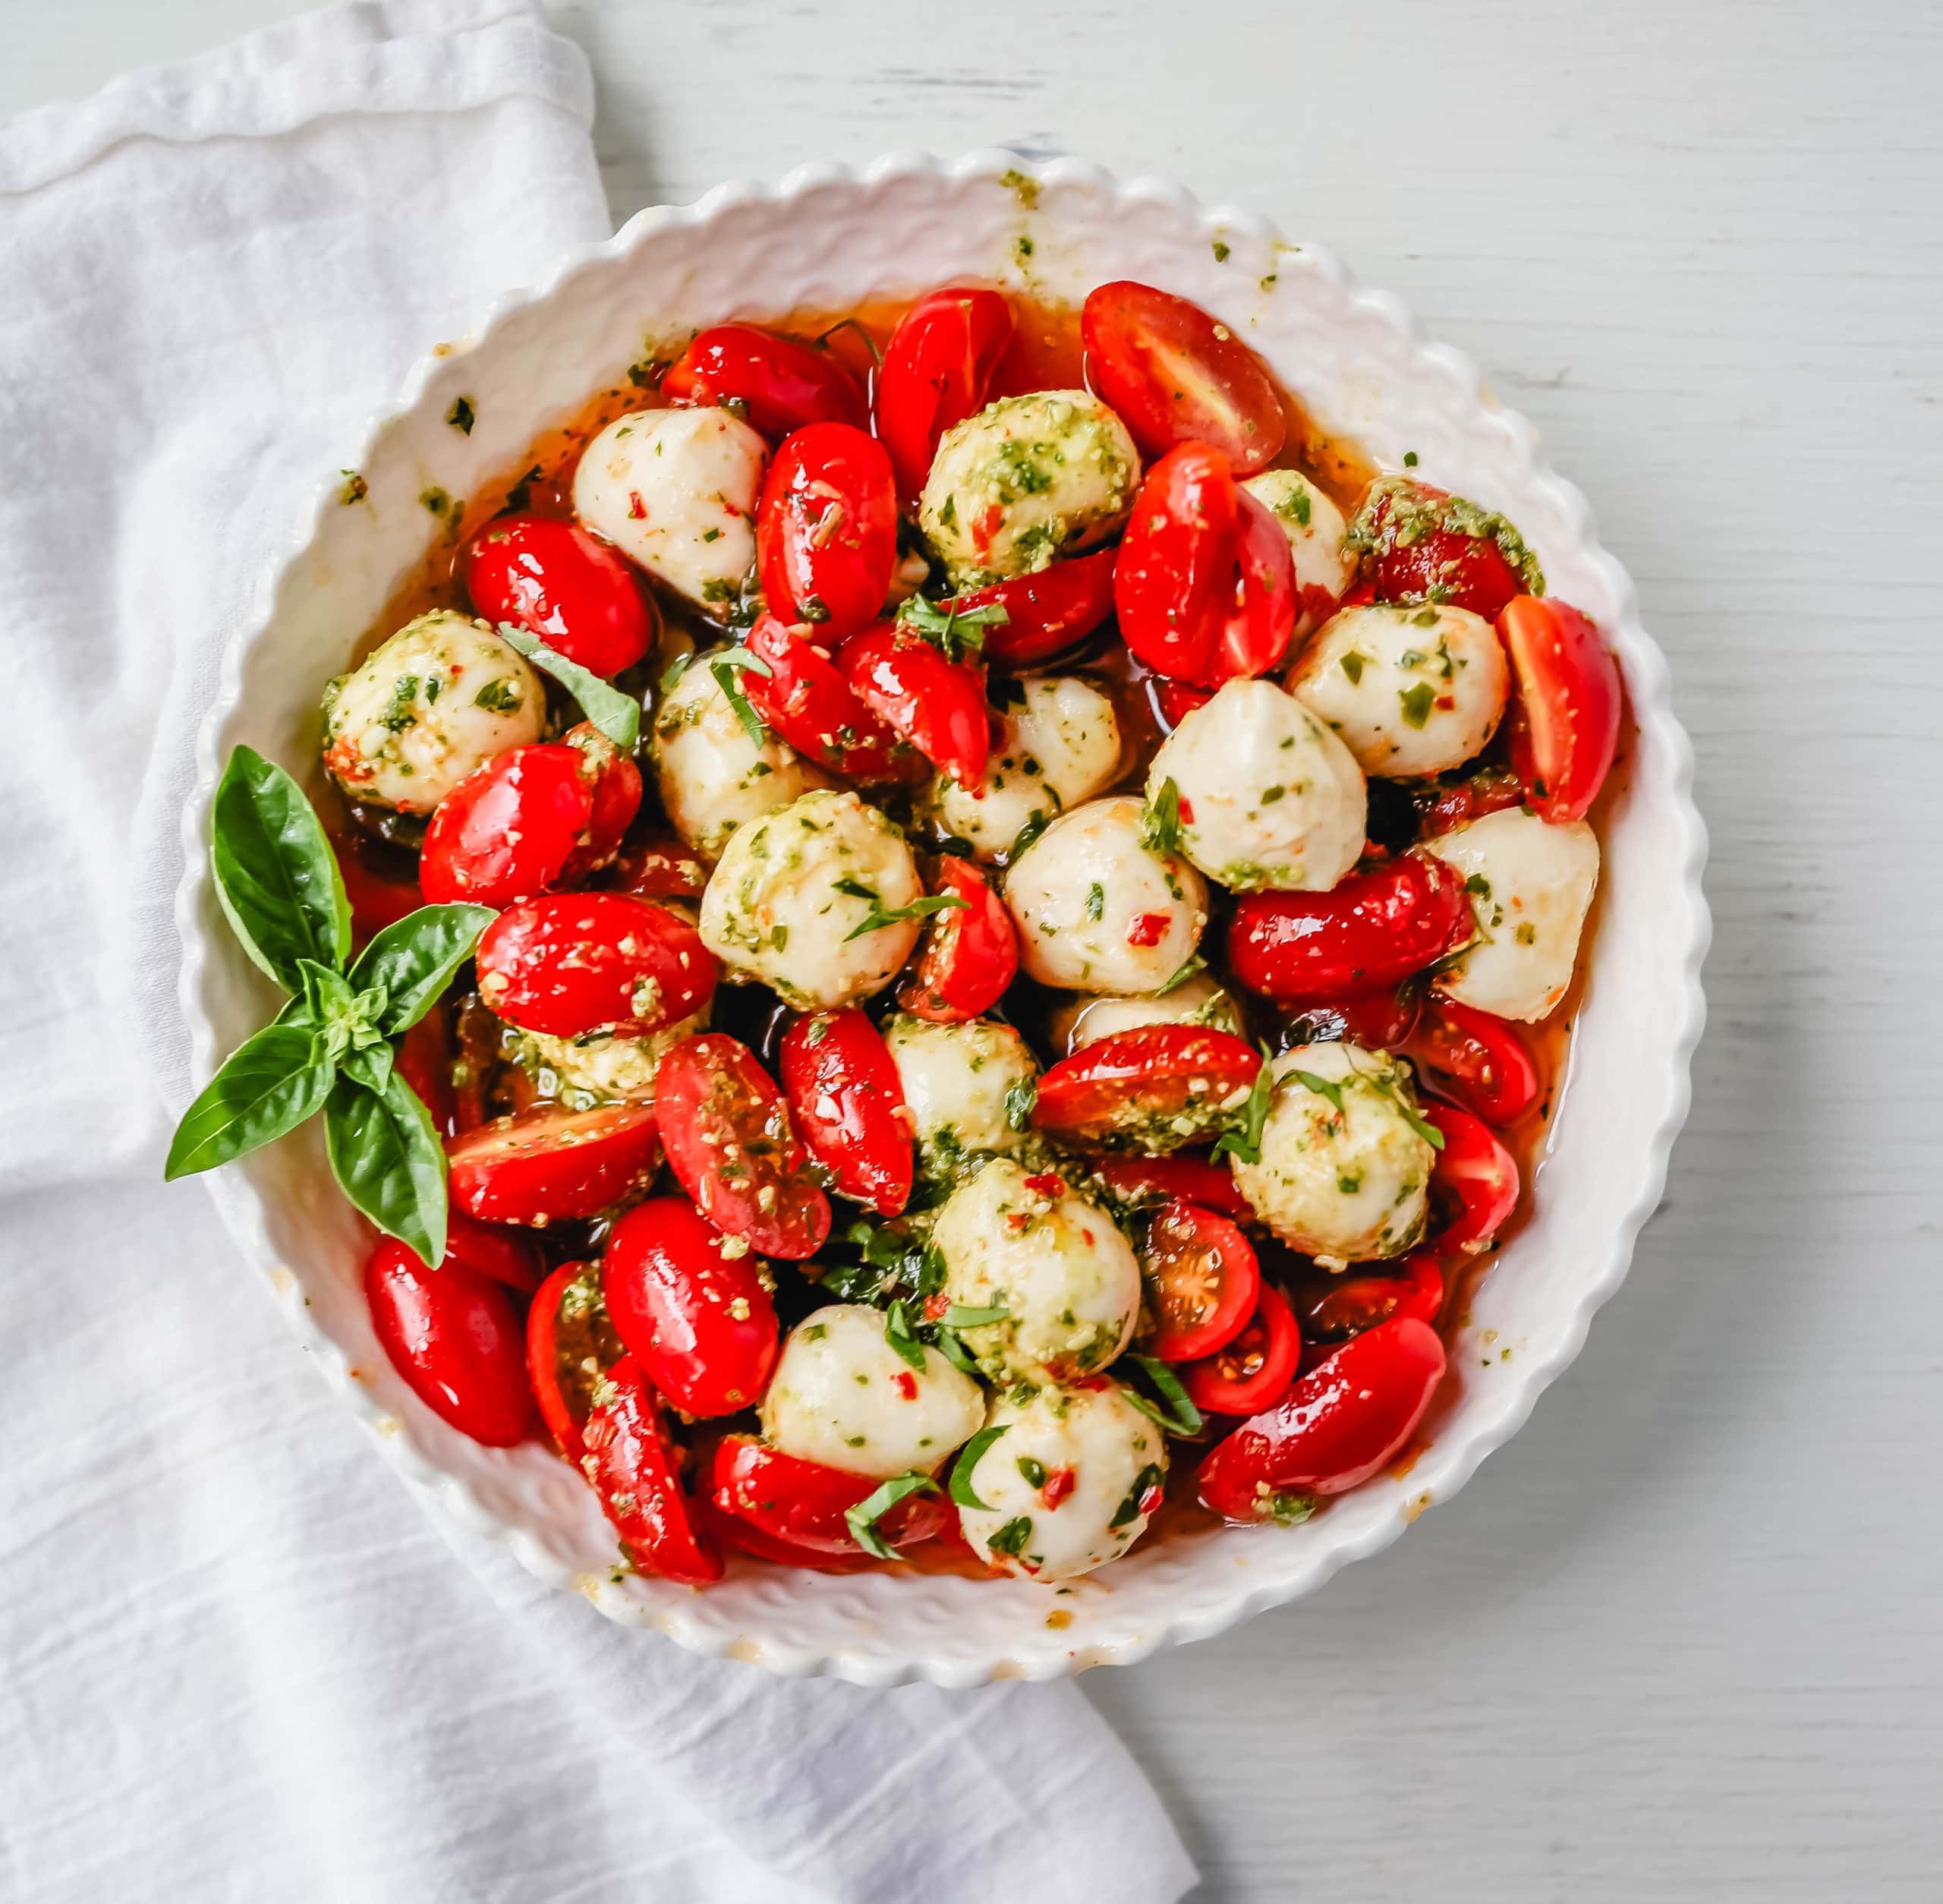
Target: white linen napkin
x=240, y=1661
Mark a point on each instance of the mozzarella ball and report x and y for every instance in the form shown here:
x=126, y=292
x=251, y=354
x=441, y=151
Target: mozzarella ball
x=1412, y=690
x=967, y=1089
x=427, y=705
x=675, y=490
x=1198, y=1001
x=1026, y=477
x=583, y=1072
x=1065, y=1277
x=1342, y=1186
x=772, y=908
x=712, y=776
x=1268, y=796
x=842, y=1395
x=1315, y=529
x=1097, y=910
x=1530, y=885
x=1092, y=1453
x=1057, y=747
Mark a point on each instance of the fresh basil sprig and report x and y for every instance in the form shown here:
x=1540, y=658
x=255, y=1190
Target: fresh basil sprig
x=330, y=1047
x=617, y=715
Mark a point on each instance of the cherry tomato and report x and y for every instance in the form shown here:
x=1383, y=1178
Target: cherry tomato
x=939, y=706
x=378, y=899
x=659, y=867
x=548, y=1164
x=1563, y=719
x=560, y=581
x=802, y=1504
x=937, y=371
x=615, y=781
x=699, y=1323
x=845, y=1098
x=744, y=1537
x=806, y=699
x=1477, y=1059
x=1162, y=1086
x=570, y=1345
x=1473, y=1184
x=1415, y=556
x=1373, y=928
x=826, y=529
x=508, y=828
x=970, y=953
x=1206, y=585
x=491, y=1249
x=730, y=1145
x=456, y=1336
x=1175, y=375
x=424, y=1061
x=1379, y=1021
x=1353, y=1303
x=1046, y=613
x=1176, y=700
x=566, y=964
x=1334, y=1429
x=632, y=1464
x=1255, y=1367
x=1491, y=790
x=1202, y=1281
x=779, y=383
x=1145, y=1180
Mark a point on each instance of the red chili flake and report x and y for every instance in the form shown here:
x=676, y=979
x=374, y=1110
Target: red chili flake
x=934, y=1308
x=1185, y=809
x=1049, y=1184
x=1151, y=1499
x=907, y=1385
x=1059, y=1485
x=636, y=507
x=1147, y=929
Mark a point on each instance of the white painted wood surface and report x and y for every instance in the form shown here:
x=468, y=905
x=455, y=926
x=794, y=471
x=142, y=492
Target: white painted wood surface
x=1683, y=1638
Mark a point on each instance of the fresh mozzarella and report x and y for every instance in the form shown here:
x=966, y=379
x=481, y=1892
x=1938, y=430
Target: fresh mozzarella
x=1198, y=1001
x=967, y=1089
x=1097, y=910
x=1412, y=690
x=441, y=696
x=786, y=901
x=1026, y=477
x=675, y=490
x=583, y=1072
x=1081, y=1468
x=1315, y=529
x=842, y=1395
x=1268, y=796
x=1530, y=885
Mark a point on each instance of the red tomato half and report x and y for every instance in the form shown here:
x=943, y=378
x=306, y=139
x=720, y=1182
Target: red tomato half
x=729, y=1143
x=548, y=1165
x=1563, y=719
x=806, y=699
x=1201, y=1278
x=779, y=383
x=937, y=370
x=744, y=1537
x=970, y=953
x=1145, y=1180
x=570, y=1345
x=424, y=1061
x=632, y=1464
x=560, y=581
x=1477, y=1059
x=939, y=706
x=826, y=529
x=802, y=1503
x=1253, y=1370
x=845, y=1098
x=508, y=828
x=491, y=1249
x=1176, y=700
x=1491, y=790
x=1473, y=1184
x=1416, y=553
x=1352, y=1304
x=1176, y=375
x=659, y=867
x=1338, y=1426
x=1046, y=613
x=1379, y=1021
x=615, y=781
x=1160, y=1086
x=378, y=899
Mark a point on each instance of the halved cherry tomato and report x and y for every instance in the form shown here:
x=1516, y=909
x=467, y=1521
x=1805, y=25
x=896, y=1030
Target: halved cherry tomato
x=457, y=1339
x=378, y=899
x=1176, y=375
x=729, y=1143
x=1373, y=928
x=970, y=953
x=508, y=828
x=424, y=1061
x=1353, y=1303
x=1145, y=1180
x=1473, y=1184
x=632, y=1464
x=937, y=370
x=1491, y=790
x=1255, y=1367
x=1046, y=613
x=1160, y=1085
x=1414, y=555
x=1334, y=1429
x=939, y=706
x=1202, y=1281
x=659, y=867
x=1206, y=585
x=1476, y=1058
x=699, y=1323
x=565, y=964
x=826, y=529
x=846, y=1099
x=570, y=1345
x=802, y=1503
x=560, y=581
x=806, y=699
x=1563, y=719
x=548, y=1165
x=779, y=383
x=1176, y=700
x=491, y=1250
x=1379, y=1021
x=744, y=1537
x=615, y=782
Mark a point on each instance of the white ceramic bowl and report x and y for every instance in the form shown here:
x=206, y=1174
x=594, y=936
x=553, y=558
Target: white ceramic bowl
x=827, y=238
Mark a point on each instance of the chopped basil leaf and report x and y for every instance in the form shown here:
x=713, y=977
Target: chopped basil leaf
x=1019, y=1100
x=617, y=715
x=863, y=1518
x=1182, y=1417
x=1185, y=970
x=965, y=1315
x=961, y=1489
x=1245, y=1143
x=1013, y=1535
x=955, y=632
x=725, y=667
x=1417, y=700
x=880, y=916
x=1096, y=900
x=897, y=1333
x=1160, y=820
x=1323, y=1087
x=460, y=416
x=1352, y=664
x=1128, y=1510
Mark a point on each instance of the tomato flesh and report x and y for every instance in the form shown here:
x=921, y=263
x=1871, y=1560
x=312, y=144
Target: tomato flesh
x=847, y=1100
x=780, y=384
x=632, y=1464
x=1254, y=1366
x=1563, y=719
x=616, y=783
x=806, y=699
x=507, y=831
x=1161, y=1086
x=1426, y=544
x=558, y=581
x=1491, y=790
x=570, y=1345
x=826, y=529
x=1476, y=1059
x=658, y=867
x=937, y=370
x=937, y=704
x=378, y=899
x=550, y=1165
x=1143, y=1180
x=1473, y=1184
x=1046, y=612
x=1202, y=1281
x=802, y=1504
x=491, y=1249
x=1379, y=1021
x=1353, y=1303
x=970, y=953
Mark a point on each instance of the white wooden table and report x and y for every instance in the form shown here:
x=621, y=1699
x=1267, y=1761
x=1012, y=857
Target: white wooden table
x=1684, y=1637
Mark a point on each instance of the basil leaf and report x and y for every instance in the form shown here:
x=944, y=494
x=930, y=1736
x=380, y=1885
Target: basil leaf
x=1013, y=1535
x=1182, y=1417
x=387, y=1160
x=276, y=874
x=897, y=1333
x=960, y=1316
x=1245, y=1143
x=1128, y=1510
x=414, y=959
x=268, y=1085
x=724, y=667
x=968, y=1459
x=880, y=916
x=1160, y=820
x=370, y=1065
x=863, y=1518
x=954, y=1352
x=1323, y=1087
x=1020, y=1100
x=617, y=715
x=1192, y=963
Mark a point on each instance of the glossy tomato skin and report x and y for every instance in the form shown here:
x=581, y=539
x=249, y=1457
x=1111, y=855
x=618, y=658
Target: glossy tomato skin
x=1567, y=699
x=937, y=704
x=1353, y=1304
x=1468, y=572
x=1254, y=1368
x=424, y=1062
x=1143, y=1180
x=1202, y=1280
x=699, y=1323
x=1175, y=700
x=1372, y=929
x=739, y=1536
x=558, y=581
x=1176, y=375
x=1047, y=612
x=1478, y=1060
x=1340, y=1424
x=491, y=1249
x=826, y=529
x=566, y=964
x=1491, y=790
x=507, y=829
x=1145, y=1084
x=970, y=953
x=567, y=1329
x=781, y=384
x=802, y=1504
x=633, y=1465
x=658, y=867
x=457, y=1339
x=377, y=898
x=1380, y=1020
x=806, y=699
x=846, y=1099
x=1474, y=1183
x=614, y=781
x=550, y=1165
x=937, y=371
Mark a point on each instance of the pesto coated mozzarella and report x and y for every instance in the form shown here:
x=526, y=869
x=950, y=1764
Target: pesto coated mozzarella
x=425, y=708
x=1269, y=797
x=1026, y=477
x=1068, y=1485
x=842, y=1395
x=1097, y=910
x=1411, y=689
x=1343, y=1185
x=1198, y=1001
x=967, y=1088
x=1315, y=529
x=1053, y=1261
x=789, y=901
x=675, y=490
x=1530, y=885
